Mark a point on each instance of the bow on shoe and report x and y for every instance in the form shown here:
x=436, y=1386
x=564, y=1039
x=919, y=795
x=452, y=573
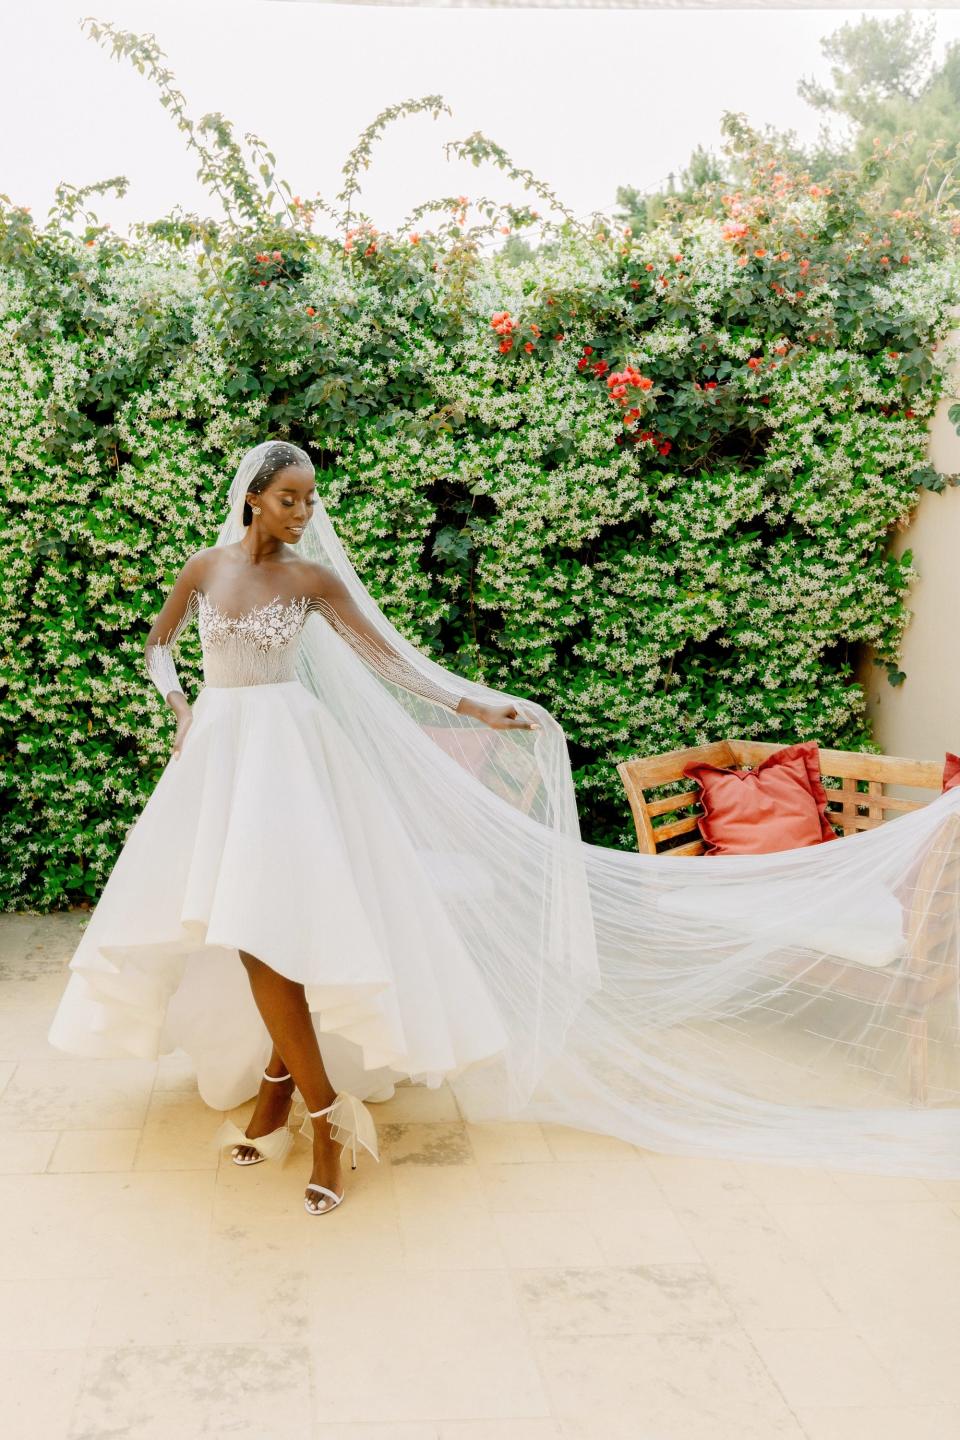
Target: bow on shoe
x=351, y=1123
x=272, y=1147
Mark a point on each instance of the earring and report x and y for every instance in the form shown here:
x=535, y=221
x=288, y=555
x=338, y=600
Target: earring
x=255, y=509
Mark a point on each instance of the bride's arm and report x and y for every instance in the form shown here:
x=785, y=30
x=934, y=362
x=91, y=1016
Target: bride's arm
x=162, y=639
x=331, y=598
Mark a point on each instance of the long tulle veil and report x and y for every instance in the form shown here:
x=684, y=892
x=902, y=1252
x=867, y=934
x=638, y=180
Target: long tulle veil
x=693, y=1005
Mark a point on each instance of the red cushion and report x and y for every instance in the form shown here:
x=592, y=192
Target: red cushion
x=781, y=805
x=951, y=771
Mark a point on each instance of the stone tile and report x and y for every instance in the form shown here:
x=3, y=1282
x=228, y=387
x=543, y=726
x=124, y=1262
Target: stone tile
x=570, y=1185
x=178, y=1133
x=880, y=1189
x=677, y=1387
x=567, y=1144
x=758, y=1271
x=626, y=1300
x=824, y=1367
x=457, y=1186
x=26, y=1151
x=92, y=1226
x=257, y=1303
x=641, y=1236
x=153, y=1392
x=54, y=1314
x=547, y=1239
x=448, y=1344
x=508, y=1144
x=922, y=1358
x=790, y=1184
x=691, y=1421
x=77, y=1094
x=430, y=1145
x=92, y=1150
x=699, y=1185
x=417, y=1104
x=499, y=1430
x=39, y=1388
x=26, y=1010
x=417, y=1430
x=447, y=1239
x=876, y=1422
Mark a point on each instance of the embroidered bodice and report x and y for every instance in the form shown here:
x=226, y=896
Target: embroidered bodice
x=260, y=647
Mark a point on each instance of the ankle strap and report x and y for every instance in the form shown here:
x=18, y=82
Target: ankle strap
x=314, y=1113
x=276, y=1077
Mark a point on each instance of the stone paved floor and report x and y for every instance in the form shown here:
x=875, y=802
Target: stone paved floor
x=483, y=1283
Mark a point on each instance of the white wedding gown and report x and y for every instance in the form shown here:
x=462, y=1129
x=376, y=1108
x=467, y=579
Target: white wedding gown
x=270, y=834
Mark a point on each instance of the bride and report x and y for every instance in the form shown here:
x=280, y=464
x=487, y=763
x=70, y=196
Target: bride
x=273, y=801
x=358, y=867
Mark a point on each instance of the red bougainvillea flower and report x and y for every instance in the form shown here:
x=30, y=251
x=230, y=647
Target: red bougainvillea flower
x=504, y=229
x=529, y=347
x=743, y=260
x=784, y=255
x=630, y=416
x=263, y=282
x=588, y=349
x=559, y=337
x=648, y=266
x=734, y=230
x=754, y=363
x=909, y=414
x=760, y=253
x=535, y=330
x=600, y=367
x=277, y=255
x=894, y=354
x=503, y=323
x=781, y=349
x=263, y=259
x=414, y=239
x=904, y=259
x=665, y=448
x=505, y=346
x=884, y=259
x=583, y=363
x=617, y=392
x=710, y=385
x=310, y=310
x=634, y=284
x=664, y=281
x=804, y=266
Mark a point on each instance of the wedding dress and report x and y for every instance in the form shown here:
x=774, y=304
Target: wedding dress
x=422, y=875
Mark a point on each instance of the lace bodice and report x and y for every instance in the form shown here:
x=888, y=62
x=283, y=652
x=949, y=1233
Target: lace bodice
x=260, y=647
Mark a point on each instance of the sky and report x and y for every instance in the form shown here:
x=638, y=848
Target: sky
x=587, y=100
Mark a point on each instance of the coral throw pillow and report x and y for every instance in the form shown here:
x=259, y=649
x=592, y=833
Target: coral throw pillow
x=951, y=771
x=781, y=805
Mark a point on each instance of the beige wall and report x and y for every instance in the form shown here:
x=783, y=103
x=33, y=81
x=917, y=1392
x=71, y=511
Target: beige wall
x=921, y=717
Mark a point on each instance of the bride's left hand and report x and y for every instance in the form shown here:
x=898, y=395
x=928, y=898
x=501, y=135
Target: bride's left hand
x=498, y=717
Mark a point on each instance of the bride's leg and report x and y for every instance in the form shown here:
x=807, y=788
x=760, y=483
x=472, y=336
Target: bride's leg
x=283, y=1006
x=272, y=1107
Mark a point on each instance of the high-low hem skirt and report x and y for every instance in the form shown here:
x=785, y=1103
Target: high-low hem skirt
x=270, y=835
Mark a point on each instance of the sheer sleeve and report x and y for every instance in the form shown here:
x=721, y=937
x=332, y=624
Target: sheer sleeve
x=177, y=610
x=388, y=663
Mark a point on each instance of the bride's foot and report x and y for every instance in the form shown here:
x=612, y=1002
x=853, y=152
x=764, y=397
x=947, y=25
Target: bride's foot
x=326, y=1169
x=269, y=1113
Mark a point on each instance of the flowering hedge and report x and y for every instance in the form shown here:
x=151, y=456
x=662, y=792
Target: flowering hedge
x=646, y=479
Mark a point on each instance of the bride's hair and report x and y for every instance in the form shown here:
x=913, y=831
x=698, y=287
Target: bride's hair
x=277, y=455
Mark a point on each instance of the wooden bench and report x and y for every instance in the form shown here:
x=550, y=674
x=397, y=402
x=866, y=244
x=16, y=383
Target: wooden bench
x=668, y=824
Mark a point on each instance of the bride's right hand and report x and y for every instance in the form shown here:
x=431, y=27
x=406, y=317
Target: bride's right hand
x=184, y=721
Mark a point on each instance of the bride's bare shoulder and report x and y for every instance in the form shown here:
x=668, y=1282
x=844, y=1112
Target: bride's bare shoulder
x=320, y=582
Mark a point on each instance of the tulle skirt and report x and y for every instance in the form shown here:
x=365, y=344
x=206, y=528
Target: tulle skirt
x=270, y=835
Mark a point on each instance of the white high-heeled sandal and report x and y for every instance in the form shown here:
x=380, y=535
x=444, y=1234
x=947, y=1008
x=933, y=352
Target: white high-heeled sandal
x=350, y=1119
x=273, y=1146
